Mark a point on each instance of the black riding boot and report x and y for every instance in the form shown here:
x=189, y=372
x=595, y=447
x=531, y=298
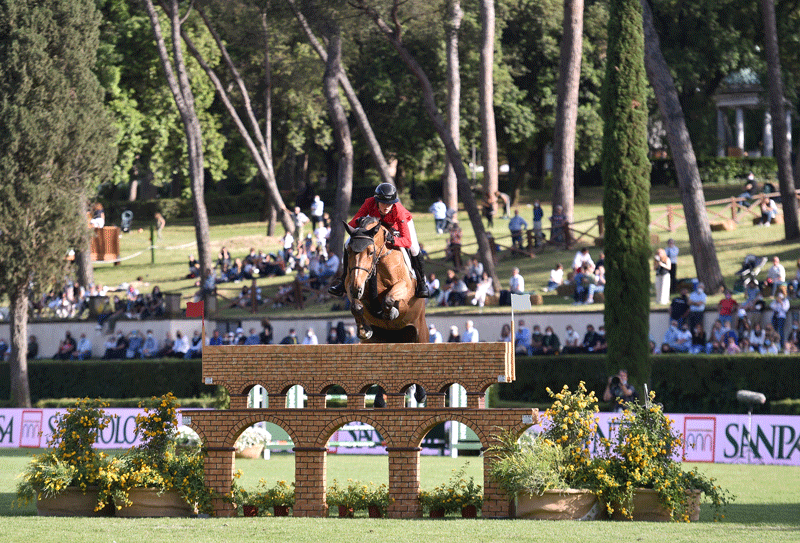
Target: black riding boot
x=337, y=285
x=422, y=285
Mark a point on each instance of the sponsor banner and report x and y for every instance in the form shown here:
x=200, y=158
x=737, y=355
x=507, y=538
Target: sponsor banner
x=728, y=439
x=32, y=428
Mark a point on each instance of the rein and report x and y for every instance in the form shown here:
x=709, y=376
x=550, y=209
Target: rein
x=376, y=257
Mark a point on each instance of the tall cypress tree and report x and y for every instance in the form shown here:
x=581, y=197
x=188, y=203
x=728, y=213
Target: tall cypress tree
x=626, y=177
x=55, y=137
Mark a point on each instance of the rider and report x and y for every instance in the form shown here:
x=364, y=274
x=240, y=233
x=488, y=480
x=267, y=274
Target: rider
x=386, y=207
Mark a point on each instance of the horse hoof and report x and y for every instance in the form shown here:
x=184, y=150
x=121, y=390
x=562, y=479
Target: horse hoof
x=394, y=313
x=365, y=334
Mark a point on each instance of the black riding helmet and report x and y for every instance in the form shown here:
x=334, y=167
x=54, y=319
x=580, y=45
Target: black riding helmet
x=386, y=193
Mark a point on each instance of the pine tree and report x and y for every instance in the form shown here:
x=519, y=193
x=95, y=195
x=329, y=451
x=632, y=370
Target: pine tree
x=626, y=176
x=54, y=138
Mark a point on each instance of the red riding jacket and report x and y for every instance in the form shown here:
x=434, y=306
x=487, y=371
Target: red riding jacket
x=397, y=219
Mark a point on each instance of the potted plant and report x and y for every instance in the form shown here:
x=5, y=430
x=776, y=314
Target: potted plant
x=252, y=442
x=457, y=494
x=641, y=477
x=63, y=480
x=153, y=479
x=279, y=497
x=242, y=500
x=347, y=499
x=377, y=500
x=545, y=474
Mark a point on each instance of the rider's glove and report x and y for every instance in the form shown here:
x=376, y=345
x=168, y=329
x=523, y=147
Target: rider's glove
x=390, y=235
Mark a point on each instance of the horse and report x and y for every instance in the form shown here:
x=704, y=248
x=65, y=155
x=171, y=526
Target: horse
x=381, y=287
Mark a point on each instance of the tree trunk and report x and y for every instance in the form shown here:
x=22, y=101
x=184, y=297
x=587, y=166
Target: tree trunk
x=344, y=143
x=184, y=100
x=18, y=314
x=270, y=218
x=453, y=155
x=133, y=190
x=360, y=115
x=452, y=27
x=694, y=204
x=778, y=111
x=567, y=108
x=267, y=84
x=83, y=254
x=488, y=131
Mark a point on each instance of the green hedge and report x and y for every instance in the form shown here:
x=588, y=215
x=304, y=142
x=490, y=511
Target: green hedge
x=683, y=383
x=110, y=379
x=716, y=170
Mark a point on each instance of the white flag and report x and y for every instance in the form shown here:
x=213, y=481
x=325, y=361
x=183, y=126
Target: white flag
x=520, y=302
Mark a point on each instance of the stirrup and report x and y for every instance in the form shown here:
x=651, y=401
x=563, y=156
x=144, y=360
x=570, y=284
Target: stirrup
x=337, y=288
x=422, y=291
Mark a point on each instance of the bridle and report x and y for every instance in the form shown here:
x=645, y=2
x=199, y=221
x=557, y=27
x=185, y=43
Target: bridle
x=375, y=257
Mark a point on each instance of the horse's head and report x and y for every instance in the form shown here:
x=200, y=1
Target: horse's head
x=366, y=244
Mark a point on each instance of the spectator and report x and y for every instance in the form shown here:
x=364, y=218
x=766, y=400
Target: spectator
x=792, y=343
x=458, y=293
x=602, y=345
x=454, y=337
x=265, y=338
x=716, y=338
x=181, y=345
x=3, y=349
x=516, y=285
x=505, y=334
x=216, y=338
x=536, y=340
x=581, y=257
x=317, y=210
x=697, y=305
x=434, y=287
x=483, y=289
x=66, y=347
x=771, y=344
x=194, y=268
x=161, y=222
x=98, y=219
x=768, y=210
x=699, y=342
x=556, y=277
x=572, y=341
x=538, y=214
x=474, y=272
x=618, y=391
x=224, y=257
x=743, y=325
x=506, y=201
x=300, y=219
x=672, y=253
x=33, y=348
x=776, y=274
x=311, y=338
x=757, y=338
x=439, y=211
x=350, y=338
x=590, y=340
x=195, y=349
x=83, y=350
x=517, y=225
x=731, y=347
x=120, y=348
x=522, y=343
x=728, y=332
x=662, y=267
x=780, y=307
x=728, y=307
x=291, y=338
x=559, y=227
x=110, y=346
x=745, y=346
x=488, y=211
x=252, y=338
x=434, y=336
x=453, y=250
x=794, y=284
x=167, y=348
x=550, y=343
x=135, y=343
x=753, y=301
x=150, y=346
x=470, y=334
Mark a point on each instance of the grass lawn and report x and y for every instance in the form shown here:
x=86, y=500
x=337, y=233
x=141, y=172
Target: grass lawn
x=240, y=232
x=767, y=508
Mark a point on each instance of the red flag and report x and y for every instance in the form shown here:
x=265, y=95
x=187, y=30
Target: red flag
x=194, y=309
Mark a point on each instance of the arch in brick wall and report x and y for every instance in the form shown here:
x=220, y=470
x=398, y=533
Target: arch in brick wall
x=327, y=385
x=284, y=386
x=415, y=440
x=363, y=386
x=245, y=422
x=332, y=426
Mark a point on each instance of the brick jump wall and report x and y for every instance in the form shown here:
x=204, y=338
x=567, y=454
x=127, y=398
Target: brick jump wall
x=355, y=368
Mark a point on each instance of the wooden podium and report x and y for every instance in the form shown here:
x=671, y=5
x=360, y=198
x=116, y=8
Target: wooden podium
x=105, y=243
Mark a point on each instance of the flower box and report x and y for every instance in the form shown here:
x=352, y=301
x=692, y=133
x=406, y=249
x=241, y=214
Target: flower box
x=566, y=504
x=72, y=502
x=647, y=507
x=253, y=451
x=148, y=502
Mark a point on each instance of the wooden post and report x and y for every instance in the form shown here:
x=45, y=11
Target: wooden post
x=253, y=298
x=601, y=226
x=670, y=219
x=298, y=293
x=734, y=208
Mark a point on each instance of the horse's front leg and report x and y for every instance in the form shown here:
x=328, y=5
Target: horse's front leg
x=391, y=302
x=364, y=329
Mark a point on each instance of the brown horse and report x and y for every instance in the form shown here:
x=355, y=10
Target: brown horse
x=381, y=288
